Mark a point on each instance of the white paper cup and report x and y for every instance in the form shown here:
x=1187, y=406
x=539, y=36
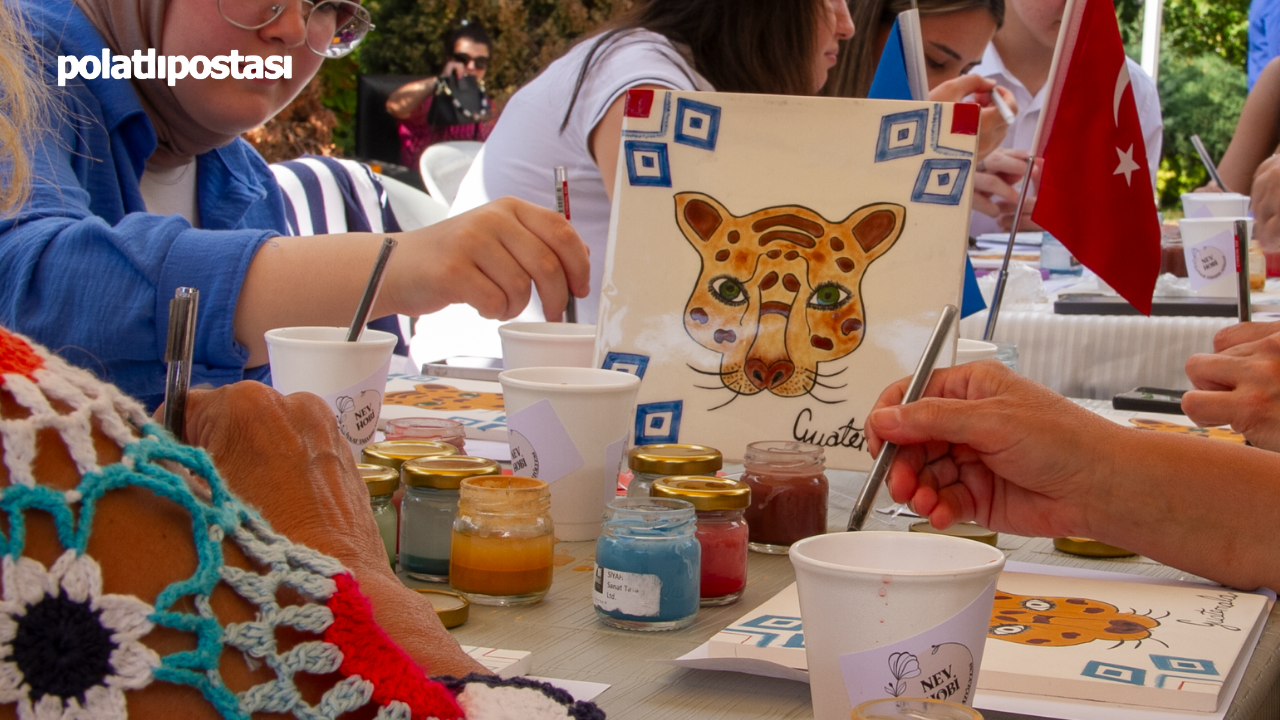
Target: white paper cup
x=351, y=377
x=597, y=409
x=547, y=344
x=864, y=590
x=1197, y=230
x=1199, y=205
x=968, y=351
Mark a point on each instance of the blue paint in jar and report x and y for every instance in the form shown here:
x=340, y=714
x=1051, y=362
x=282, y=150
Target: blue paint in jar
x=648, y=565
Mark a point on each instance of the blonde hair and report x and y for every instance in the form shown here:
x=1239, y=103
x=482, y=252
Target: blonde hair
x=21, y=105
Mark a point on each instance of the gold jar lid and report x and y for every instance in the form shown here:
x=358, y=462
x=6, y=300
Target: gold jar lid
x=378, y=479
x=452, y=608
x=393, y=453
x=966, y=530
x=706, y=493
x=673, y=459
x=1088, y=547
x=446, y=472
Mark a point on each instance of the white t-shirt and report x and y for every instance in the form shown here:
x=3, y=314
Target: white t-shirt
x=520, y=157
x=1023, y=130
x=171, y=192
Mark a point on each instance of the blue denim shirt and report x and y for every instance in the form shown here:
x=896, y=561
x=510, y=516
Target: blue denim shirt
x=86, y=271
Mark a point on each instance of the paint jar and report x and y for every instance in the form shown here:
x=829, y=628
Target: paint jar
x=393, y=453
x=422, y=428
x=650, y=462
x=648, y=565
x=1257, y=267
x=788, y=493
x=381, y=482
x=502, y=541
x=429, y=507
x=914, y=709
x=722, y=531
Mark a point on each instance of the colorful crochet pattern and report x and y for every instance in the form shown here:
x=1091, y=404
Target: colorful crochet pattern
x=69, y=651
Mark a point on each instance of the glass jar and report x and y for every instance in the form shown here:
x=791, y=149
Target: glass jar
x=429, y=507
x=502, y=541
x=648, y=565
x=381, y=482
x=788, y=493
x=1257, y=267
x=434, y=429
x=393, y=453
x=650, y=462
x=722, y=531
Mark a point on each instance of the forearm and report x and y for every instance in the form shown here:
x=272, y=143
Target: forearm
x=1204, y=506
x=402, y=102
x=295, y=281
x=1257, y=132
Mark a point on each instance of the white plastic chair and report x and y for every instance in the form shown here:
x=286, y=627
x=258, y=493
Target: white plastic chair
x=413, y=208
x=443, y=166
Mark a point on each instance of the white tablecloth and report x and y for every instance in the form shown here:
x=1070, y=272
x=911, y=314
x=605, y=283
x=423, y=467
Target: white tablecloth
x=1098, y=356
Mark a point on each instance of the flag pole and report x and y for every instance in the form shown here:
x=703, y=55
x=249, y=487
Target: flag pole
x=990, y=332
x=1046, y=114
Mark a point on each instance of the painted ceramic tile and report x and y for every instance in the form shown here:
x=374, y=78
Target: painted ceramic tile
x=474, y=403
x=1158, y=646
x=775, y=262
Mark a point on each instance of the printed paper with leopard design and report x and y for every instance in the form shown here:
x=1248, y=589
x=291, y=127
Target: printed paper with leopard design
x=775, y=262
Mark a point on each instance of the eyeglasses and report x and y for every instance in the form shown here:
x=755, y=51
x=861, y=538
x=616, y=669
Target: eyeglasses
x=334, y=27
x=481, y=61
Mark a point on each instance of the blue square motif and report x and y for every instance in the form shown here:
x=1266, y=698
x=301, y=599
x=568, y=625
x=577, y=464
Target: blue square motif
x=1115, y=673
x=902, y=135
x=1184, y=665
x=647, y=163
x=630, y=363
x=658, y=422
x=941, y=181
x=697, y=124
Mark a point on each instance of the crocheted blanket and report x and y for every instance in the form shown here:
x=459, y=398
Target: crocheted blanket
x=69, y=650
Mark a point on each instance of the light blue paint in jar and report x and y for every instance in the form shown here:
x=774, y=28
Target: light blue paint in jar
x=648, y=565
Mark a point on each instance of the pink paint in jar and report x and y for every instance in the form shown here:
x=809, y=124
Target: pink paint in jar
x=721, y=531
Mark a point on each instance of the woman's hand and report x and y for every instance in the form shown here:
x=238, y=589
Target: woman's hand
x=991, y=124
x=490, y=258
x=283, y=455
x=994, y=187
x=985, y=444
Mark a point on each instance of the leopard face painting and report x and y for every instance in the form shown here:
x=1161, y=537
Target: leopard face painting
x=437, y=396
x=780, y=288
x=1064, y=621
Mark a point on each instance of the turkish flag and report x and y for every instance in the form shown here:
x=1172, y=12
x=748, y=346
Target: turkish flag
x=1095, y=192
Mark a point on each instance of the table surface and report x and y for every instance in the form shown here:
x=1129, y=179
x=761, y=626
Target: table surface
x=567, y=641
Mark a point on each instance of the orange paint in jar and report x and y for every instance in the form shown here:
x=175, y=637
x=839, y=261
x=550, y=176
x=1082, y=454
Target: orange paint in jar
x=502, y=541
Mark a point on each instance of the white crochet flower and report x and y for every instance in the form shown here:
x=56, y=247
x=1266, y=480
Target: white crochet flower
x=67, y=651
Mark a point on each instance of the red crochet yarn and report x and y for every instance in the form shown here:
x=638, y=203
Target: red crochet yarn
x=17, y=357
x=369, y=653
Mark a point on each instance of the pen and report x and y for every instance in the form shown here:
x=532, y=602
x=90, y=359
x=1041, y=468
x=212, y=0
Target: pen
x=562, y=207
x=178, y=352
x=1208, y=162
x=915, y=389
x=1242, y=269
x=1002, y=106
x=371, y=290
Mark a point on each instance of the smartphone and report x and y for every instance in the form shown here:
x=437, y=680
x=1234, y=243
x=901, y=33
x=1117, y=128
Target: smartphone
x=1146, y=399
x=465, y=367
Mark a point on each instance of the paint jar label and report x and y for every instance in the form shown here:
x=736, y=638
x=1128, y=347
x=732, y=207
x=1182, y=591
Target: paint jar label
x=635, y=594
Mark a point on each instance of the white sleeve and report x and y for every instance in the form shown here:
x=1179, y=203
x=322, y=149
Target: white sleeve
x=638, y=58
x=1147, y=98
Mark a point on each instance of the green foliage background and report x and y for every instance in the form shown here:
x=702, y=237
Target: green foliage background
x=1201, y=82
x=1201, y=79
